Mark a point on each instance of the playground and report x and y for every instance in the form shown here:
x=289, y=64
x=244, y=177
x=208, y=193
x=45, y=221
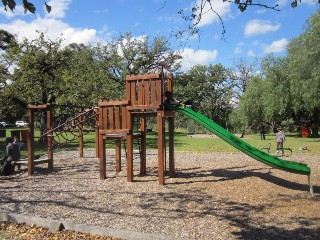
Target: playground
x=208, y=195
x=213, y=196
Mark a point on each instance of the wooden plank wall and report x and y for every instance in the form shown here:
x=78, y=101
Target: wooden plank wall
x=113, y=116
x=144, y=91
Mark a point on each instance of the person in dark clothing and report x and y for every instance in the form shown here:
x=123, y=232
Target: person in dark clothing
x=262, y=131
x=11, y=154
x=170, y=100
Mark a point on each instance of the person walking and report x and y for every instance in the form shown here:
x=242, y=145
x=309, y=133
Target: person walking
x=262, y=131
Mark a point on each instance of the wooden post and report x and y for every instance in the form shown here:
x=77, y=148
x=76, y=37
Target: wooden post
x=161, y=170
x=49, y=137
x=101, y=147
x=118, y=154
x=30, y=142
x=80, y=128
x=170, y=82
x=171, y=146
x=96, y=112
x=102, y=156
x=130, y=148
x=143, y=155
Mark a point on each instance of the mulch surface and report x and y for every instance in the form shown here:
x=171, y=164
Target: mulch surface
x=24, y=231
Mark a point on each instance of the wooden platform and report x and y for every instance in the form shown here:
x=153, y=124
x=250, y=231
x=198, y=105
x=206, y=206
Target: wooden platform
x=24, y=162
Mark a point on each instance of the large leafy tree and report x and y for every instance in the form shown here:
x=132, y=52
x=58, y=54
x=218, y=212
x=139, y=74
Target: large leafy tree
x=290, y=85
x=303, y=63
x=250, y=112
x=35, y=74
x=131, y=56
x=8, y=46
x=85, y=80
x=241, y=74
x=210, y=89
x=267, y=98
x=80, y=75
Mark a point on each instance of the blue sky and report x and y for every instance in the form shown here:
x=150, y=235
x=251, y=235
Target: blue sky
x=254, y=33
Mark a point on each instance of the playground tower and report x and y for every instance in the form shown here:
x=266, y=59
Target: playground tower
x=144, y=99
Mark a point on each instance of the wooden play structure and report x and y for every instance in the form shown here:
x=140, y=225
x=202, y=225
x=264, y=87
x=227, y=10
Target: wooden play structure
x=52, y=131
x=144, y=99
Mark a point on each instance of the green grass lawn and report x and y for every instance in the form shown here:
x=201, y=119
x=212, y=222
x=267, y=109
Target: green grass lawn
x=185, y=143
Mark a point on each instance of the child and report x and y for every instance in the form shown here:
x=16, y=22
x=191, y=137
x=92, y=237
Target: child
x=280, y=138
x=303, y=148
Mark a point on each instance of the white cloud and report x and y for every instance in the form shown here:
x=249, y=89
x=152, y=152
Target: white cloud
x=50, y=24
x=220, y=7
x=53, y=29
x=58, y=8
x=191, y=57
x=19, y=10
x=258, y=27
x=276, y=46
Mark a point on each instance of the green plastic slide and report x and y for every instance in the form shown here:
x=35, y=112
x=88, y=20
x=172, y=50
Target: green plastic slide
x=241, y=145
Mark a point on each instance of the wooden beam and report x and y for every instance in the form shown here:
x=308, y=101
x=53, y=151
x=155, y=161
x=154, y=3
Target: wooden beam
x=40, y=106
x=161, y=135
x=116, y=131
x=171, y=147
x=50, y=137
x=30, y=142
x=118, y=154
x=112, y=103
x=143, y=155
x=143, y=77
x=102, y=157
x=80, y=129
x=130, y=150
x=143, y=107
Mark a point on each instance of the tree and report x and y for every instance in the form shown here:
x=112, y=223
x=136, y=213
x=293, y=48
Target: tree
x=250, y=112
x=241, y=74
x=267, y=98
x=36, y=76
x=8, y=44
x=131, y=56
x=303, y=63
x=85, y=76
x=210, y=90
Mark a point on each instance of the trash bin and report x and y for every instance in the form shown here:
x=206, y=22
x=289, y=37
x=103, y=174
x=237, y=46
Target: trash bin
x=24, y=136
x=16, y=133
x=305, y=132
x=3, y=133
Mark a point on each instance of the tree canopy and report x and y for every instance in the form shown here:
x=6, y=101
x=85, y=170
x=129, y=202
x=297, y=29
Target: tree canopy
x=282, y=91
x=288, y=90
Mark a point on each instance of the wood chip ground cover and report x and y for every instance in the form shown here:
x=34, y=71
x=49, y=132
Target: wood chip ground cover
x=213, y=196
x=14, y=231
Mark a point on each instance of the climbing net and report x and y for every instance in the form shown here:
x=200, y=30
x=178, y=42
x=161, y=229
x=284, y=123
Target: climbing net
x=65, y=132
